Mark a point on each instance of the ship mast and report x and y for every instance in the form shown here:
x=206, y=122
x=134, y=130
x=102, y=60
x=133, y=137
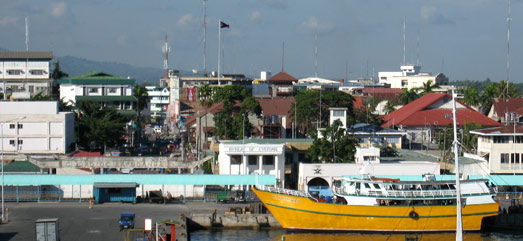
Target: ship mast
x=459, y=221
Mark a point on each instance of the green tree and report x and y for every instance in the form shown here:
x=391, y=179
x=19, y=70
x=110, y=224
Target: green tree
x=407, y=96
x=308, y=106
x=496, y=90
x=57, y=72
x=41, y=97
x=335, y=146
x=428, y=87
x=98, y=126
x=141, y=94
x=205, y=97
x=468, y=141
x=231, y=122
x=470, y=96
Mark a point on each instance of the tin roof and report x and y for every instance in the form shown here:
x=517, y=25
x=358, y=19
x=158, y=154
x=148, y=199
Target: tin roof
x=23, y=55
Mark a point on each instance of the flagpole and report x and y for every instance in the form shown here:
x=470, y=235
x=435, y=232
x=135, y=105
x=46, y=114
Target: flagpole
x=219, y=47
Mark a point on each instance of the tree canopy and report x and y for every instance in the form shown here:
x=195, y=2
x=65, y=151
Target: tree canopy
x=234, y=119
x=334, y=147
x=98, y=126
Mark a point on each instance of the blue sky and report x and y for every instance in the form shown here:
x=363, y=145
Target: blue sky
x=465, y=39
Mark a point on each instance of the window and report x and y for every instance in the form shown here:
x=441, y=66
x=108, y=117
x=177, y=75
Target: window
x=20, y=142
x=14, y=72
x=112, y=90
x=376, y=186
x=337, y=113
x=253, y=160
x=501, y=139
x=11, y=126
x=367, y=186
x=12, y=142
x=504, y=158
x=512, y=158
x=36, y=72
x=404, y=83
x=519, y=139
x=93, y=90
x=268, y=160
x=393, y=139
x=20, y=126
x=236, y=160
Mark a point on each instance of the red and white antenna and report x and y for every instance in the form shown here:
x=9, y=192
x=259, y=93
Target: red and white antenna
x=165, y=50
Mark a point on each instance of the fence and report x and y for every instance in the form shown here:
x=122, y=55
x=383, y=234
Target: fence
x=36, y=194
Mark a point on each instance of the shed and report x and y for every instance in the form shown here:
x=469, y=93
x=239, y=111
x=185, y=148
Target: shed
x=115, y=192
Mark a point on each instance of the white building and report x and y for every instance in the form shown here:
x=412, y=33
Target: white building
x=98, y=87
x=35, y=127
x=502, y=147
x=159, y=100
x=410, y=77
x=25, y=71
x=252, y=158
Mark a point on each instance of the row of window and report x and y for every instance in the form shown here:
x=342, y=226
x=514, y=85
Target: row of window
x=504, y=158
x=21, y=72
x=505, y=139
x=109, y=90
x=12, y=126
x=12, y=142
x=252, y=160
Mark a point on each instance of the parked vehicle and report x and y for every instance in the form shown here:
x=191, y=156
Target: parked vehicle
x=126, y=220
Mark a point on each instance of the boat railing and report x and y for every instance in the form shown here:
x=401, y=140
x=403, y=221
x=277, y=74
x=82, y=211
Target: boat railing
x=285, y=191
x=415, y=193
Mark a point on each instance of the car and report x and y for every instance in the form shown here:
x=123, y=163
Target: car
x=126, y=220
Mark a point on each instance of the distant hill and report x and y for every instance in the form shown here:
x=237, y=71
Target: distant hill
x=75, y=66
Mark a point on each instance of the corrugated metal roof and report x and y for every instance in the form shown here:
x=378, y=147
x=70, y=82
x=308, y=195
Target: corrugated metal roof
x=96, y=78
x=282, y=77
x=115, y=185
x=48, y=55
x=106, y=98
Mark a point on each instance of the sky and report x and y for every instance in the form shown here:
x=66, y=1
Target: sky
x=464, y=39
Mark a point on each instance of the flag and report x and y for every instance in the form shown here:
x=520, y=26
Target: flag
x=223, y=25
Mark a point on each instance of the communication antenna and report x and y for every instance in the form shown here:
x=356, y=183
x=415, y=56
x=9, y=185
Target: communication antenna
x=204, y=37
x=282, y=56
x=508, y=46
x=417, y=52
x=165, y=50
x=315, y=54
x=26, y=33
x=404, y=39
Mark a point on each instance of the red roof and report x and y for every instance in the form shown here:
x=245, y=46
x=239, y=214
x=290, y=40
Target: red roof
x=282, y=77
x=417, y=113
x=382, y=93
x=277, y=106
x=505, y=129
x=502, y=105
x=358, y=102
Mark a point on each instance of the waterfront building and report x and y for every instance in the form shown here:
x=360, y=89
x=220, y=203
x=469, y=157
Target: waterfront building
x=35, y=127
x=99, y=87
x=502, y=147
x=25, y=72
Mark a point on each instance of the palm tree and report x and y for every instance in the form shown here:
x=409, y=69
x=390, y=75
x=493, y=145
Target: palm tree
x=427, y=87
x=408, y=96
x=470, y=96
x=140, y=92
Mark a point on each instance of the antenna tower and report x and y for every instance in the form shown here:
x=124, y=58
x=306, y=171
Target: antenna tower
x=165, y=50
x=404, y=39
x=508, y=45
x=26, y=33
x=205, y=37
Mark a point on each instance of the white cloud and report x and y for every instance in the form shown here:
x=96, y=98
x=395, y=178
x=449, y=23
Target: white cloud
x=313, y=25
x=7, y=20
x=430, y=14
x=255, y=16
x=188, y=22
x=58, y=9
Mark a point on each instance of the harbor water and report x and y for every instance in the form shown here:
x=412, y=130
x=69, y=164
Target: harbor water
x=279, y=235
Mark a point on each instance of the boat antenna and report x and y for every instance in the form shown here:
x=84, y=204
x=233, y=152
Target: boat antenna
x=459, y=221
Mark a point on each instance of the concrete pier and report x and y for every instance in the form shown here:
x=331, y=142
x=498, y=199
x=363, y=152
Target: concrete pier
x=234, y=221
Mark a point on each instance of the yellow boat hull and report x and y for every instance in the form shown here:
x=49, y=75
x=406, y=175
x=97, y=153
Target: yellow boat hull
x=305, y=214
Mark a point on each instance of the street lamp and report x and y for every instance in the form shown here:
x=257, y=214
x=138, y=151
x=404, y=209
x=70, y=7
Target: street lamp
x=2, y=157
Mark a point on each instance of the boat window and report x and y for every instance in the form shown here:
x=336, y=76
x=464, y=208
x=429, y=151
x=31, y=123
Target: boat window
x=376, y=186
x=351, y=184
x=358, y=185
x=367, y=185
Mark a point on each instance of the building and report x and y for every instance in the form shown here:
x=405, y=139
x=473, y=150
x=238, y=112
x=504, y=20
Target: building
x=371, y=135
x=159, y=101
x=35, y=127
x=410, y=77
x=504, y=109
x=25, y=72
x=99, y=87
x=498, y=146
x=281, y=84
x=425, y=118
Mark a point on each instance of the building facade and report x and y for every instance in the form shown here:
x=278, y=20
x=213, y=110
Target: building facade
x=410, y=77
x=159, y=101
x=99, y=87
x=502, y=147
x=35, y=127
x=25, y=72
